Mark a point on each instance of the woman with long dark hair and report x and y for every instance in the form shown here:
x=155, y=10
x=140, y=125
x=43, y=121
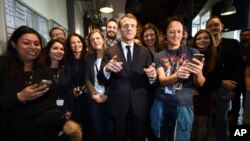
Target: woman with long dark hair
x=26, y=108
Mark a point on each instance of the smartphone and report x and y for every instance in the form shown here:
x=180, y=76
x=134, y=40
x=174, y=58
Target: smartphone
x=45, y=82
x=198, y=56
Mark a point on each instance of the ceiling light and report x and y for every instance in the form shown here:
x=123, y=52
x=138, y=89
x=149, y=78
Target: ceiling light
x=229, y=9
x=106, y=7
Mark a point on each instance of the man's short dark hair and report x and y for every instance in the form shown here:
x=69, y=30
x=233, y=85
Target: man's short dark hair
x=54, y=28
x=112, y=20
x=244, y=30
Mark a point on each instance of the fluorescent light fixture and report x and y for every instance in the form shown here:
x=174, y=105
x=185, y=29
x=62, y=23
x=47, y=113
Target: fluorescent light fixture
x=106, y=7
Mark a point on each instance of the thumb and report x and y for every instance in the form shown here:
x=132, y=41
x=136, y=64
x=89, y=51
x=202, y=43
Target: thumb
x=152, y=65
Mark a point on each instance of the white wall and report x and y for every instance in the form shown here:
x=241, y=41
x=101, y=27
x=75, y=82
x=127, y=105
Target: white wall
x=50, y=9
x=78, y=18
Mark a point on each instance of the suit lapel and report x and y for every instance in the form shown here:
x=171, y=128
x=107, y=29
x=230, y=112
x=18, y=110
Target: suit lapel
x=120, y=53
x=92, y=64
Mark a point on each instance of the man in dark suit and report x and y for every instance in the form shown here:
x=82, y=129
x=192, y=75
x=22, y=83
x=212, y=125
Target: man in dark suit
x=127, y=73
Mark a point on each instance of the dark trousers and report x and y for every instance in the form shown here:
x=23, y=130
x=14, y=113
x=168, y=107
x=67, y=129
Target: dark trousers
x=221, y=110
x=236, y=102
x=137, y=126
x=80, y=114
x=100, y=123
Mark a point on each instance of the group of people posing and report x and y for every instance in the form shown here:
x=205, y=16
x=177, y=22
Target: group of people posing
x=120, y=89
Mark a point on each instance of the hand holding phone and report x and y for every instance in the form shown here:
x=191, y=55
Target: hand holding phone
x=198, y=56
x=45, y=82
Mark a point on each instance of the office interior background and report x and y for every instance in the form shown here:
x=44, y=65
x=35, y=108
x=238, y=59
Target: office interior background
x=81, y=15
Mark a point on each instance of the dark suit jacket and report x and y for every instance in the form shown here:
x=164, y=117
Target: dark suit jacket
x=128, y=87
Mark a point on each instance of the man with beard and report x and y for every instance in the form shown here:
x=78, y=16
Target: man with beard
x=111, y=32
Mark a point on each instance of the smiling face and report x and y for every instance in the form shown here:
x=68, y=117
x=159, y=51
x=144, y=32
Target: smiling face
x=58, y=34
x=111, y=29
x=149, y=37
x=215, y=26
x=203, y=41
x=56, y=51
x=174, y=34
x=28, y=47
x=96, y=41
x=76, y=44
x=128, y=29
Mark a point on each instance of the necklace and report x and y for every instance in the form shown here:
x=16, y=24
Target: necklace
x=56, y=74
x=28, y=77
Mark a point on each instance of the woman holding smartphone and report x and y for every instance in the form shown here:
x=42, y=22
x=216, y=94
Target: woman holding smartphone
x=26, y=108
x=212, y=70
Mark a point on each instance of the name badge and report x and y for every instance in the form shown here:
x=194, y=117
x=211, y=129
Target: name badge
x=59, y=102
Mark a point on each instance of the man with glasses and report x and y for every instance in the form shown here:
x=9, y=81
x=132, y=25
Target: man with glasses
x=57, y=33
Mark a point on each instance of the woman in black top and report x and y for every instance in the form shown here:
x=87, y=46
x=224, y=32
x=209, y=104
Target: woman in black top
x=212, y=71
x=76, y=50
x=26, y=108
x=54, y=54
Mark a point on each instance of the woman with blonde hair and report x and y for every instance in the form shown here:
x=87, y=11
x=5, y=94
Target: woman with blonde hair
x=100, y=123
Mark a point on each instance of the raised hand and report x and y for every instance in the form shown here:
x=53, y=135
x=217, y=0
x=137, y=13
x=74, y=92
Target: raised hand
x=151, y=71
x=113, y=65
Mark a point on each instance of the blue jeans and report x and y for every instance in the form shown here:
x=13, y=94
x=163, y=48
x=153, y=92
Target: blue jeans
x=177, y=123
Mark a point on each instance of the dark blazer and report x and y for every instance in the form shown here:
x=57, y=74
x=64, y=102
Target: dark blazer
x=128, y=87
x=89, y=61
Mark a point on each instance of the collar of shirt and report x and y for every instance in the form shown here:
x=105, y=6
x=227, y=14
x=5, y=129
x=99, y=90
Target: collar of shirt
x=125, y=50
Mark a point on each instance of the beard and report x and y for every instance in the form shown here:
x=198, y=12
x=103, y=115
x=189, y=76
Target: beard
x=111, y=35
